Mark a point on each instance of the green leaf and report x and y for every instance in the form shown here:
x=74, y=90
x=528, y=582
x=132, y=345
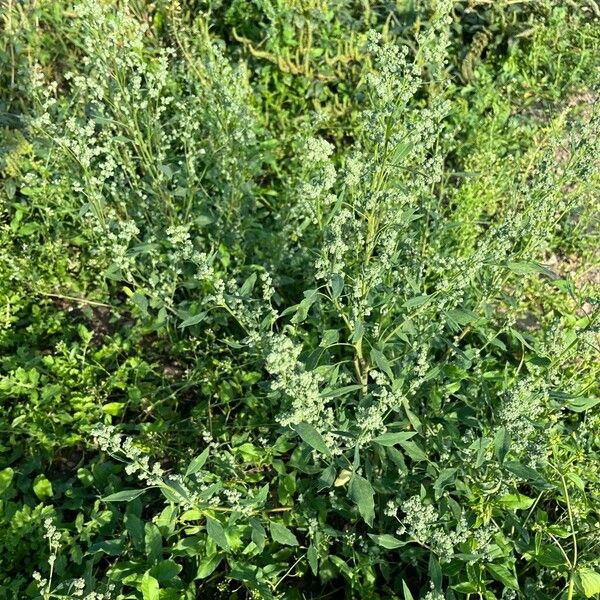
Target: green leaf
x=445, y=478
x=6, y=477
x=387, y=541
x=150, y=587
x=114, y=409
x=197, y=463
x=282, y=535
x=515, y=501
x=313, y=560
x=341, y=391
x=435, y=572
x=141, y=302
x=581, y=404
x=215, y=531
x=391, y=438
x=501, y=444
x=207, y=566
x=135, y=529
x=153, y=542
x=528, y=474
x=194, y=320
x=111, y=547
x=416, y=301
x=330, y=337
x=503, y=575
x=414, y=451
x=357, y=334
x=527, y=267
x=588, y=581
x=480, y=445
x=550, y=556
x=302, y=309
x=326, y=478
x=258, y=535
x=123, y=496
x=382, y=362
x=362, y=494
x=406, y=591
x=337, y=285
x=465, y=587
x=165, y=570
x=312, y=437
x=42, y=487
x=520, y=337
x=462, y=316
x=248, y=285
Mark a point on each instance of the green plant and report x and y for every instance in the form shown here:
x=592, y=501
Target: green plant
x=299, y=300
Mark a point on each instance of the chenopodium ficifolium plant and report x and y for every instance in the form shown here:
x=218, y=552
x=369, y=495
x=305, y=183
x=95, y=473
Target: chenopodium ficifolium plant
x=152, y=144
x=380, y=370
x=387, y=372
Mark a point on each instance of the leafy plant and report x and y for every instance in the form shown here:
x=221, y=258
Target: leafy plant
x=299, y=300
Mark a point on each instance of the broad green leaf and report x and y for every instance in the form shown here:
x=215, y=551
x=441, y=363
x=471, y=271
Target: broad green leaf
x=382, y=362
x=515, y=501
x=258, y=535
x=503, y=575
x=527, y=267
x=193, y=320
x=414, y=451
x=462, y=316
x=282, y=535
x=341, y=391
x=165, y=570
x=135, y=529
x=42, y=487
x=302, y=309
x=153, y=542
x=141, y=302
x=216, y=533
x=388, y=541
x=391, y=438
x=150, y=587
x=337, y=285
x=248, y=285
x=588, y=581
x=123, y=496
x=111, y=547
x=362, y=493
x=445, y=478
x=501, y=444
x=406, y=591
x=550, y=556
x=330, y=337
x=528, y=474
x=197, y=463
x=435, y=572
x=311, y=555
x=581, y=404
x=327, y=478
x=114, y=409
x=207, y=566
x=6, y=477
x=416, y=301
x=480, y=445
x=312, y=437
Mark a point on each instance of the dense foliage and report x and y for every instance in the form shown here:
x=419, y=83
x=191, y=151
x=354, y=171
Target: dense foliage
x=299, y=299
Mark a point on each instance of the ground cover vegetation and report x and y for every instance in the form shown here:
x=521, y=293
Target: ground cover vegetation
x=299, y=299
